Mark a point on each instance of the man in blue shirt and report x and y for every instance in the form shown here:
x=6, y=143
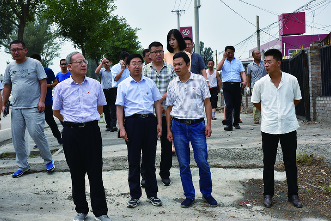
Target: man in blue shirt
x=120, y=71
x=78, y=102
x=137, y=95
x=64, y=73
x=233, y=79
x=51, y=82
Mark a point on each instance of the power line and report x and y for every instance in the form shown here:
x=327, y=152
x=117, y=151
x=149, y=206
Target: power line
x=237, y=13
x=274, y=13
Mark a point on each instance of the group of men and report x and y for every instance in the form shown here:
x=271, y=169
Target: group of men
x=150, y=100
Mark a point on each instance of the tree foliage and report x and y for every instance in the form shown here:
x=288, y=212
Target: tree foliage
x=206, y=53
x=17, y=13
x=91, y=27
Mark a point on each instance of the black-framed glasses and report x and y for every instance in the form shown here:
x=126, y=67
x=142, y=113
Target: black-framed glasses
x=17, y=50
x=157, y=52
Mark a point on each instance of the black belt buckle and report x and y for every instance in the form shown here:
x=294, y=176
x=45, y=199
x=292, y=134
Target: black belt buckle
x=81, y=125
x=188, y=122
x=144, y=115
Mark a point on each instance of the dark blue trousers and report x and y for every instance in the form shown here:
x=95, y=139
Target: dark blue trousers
x=288, y=143
x=142, y=137
x=232, y=97
x=110, y=109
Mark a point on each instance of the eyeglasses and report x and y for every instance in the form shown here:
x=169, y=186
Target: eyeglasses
x=136, y=63
x=63, y=64
x=157, y=52
x=80, y=62
x=17, y=50
x=106, y=62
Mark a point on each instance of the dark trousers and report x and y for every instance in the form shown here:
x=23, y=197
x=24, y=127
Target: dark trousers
x=142, y=137
x=166, y=154
x=51, y=122
x=83, y=152
x=214, y=97
x=232, y=97
x=110, y=109
x=289, y=145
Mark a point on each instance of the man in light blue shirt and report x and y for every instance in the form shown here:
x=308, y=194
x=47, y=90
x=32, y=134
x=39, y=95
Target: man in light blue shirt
x=233, y=79
x=78, y=102
x=137, y=95
x=120, y=71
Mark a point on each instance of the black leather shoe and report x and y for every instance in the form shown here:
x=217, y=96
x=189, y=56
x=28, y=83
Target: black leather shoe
x=267, y=201
x=294, y=199
x=113, y=129
x=236, y=126
x=228, y=128
x=224, y=122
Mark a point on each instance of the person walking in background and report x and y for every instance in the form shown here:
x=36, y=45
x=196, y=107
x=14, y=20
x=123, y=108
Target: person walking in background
x=64, y=73
x=110, y=93
x=137, y=95
x=255, y=71
x=233, y=75
x=25, y=78
x=215, y=84
x=276, y=95
x=187, y=104
x=147, y=57
x=51, y=83
x=78, y=103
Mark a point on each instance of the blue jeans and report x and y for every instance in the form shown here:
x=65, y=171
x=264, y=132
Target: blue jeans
x=182, y=135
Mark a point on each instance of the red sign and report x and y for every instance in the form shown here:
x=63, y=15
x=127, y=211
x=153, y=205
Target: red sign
x=186, y=32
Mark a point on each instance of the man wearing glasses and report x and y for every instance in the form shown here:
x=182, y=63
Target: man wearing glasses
x=161, y=73
x=25, y=78
x=78, y=102
x=64, y=73
x=137, y=95
x=110, y=93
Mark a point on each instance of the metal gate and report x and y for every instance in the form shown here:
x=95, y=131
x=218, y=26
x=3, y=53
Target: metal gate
x=326, y=70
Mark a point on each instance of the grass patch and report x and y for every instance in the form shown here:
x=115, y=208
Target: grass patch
x=307, y=160
x=327, y=188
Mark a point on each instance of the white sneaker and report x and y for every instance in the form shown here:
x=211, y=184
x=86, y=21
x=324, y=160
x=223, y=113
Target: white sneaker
x=103, y=218
x=80, y=217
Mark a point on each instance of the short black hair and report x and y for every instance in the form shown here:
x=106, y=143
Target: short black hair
x=132, y=56
x=188, y=38
x=275, y=53
x=106, y=58
x=63, y=59
x=154, y=44
x=124, y=55
x=17, y=42
x=145, y=51
x=179, y=38
x=183, y=55
x=230, y=47
x=36, y=56
x=211, y=60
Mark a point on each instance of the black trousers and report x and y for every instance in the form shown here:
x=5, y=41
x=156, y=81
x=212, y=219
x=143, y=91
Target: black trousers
x=289, y=145
x=83, y=152
x=110, y=109
x=166, y=154
x=213, y=98
x=51, y=122
x=142, y=137
x=232, y=97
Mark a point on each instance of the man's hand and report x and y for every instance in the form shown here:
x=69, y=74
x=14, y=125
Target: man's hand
x=124, y=135
x=123, y=65
x=41, y=106
x=169, y=136
x=208, y=131
x=225, y=55
x=243, y=84
x=159, y=130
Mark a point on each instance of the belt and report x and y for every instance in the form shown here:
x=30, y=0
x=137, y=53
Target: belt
x=231, y=82
x=141, y=116
x=86, y=124
x=189, y=121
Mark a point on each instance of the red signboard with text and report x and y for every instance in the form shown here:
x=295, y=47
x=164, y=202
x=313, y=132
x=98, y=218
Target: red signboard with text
x=186, y=32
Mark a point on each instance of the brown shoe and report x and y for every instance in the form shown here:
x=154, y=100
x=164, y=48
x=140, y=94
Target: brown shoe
x=294, y=199
x=267, y=201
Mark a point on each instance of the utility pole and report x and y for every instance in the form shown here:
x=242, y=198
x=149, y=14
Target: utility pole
x=258, y=32
x=178, y=17
x=196, y=23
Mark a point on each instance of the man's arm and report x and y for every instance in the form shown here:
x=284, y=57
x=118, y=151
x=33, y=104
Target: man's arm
x=120, y=117
x=168, y=117
x=243, y=78
x=119, y=75
x=257, y=105
x=5, y=94
x=43, y=90
x=53, y=84
x=208, y=115
x=57, y=114
x=100, y=109
x=220, y=65
x=219, y=82
x=157, y=105
x=296, y=102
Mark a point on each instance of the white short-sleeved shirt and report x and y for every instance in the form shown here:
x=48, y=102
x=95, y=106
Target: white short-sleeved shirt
x=277, y=104
x=187, y=98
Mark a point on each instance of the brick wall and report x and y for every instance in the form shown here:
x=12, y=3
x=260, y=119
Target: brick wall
x=323, y=109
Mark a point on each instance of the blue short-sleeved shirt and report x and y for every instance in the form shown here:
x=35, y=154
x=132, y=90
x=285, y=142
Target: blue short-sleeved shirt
x=115, y=70
x=106, y=78
x=137, y=97
x=79, y=103
x=50, y=78
x=61, y=77
x=197, y=63
x=231, y=70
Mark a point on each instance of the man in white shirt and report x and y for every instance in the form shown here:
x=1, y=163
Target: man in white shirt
x=276, y=95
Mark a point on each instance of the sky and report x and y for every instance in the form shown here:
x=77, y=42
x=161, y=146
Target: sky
x=221, y=22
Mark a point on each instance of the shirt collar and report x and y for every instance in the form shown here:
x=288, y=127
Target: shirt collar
x=190, y=78
x=71, y=81
x=143, y=78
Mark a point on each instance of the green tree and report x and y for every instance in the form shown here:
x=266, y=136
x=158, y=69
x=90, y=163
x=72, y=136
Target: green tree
x=91, y=27
x=206, y=53
x=18, y=13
